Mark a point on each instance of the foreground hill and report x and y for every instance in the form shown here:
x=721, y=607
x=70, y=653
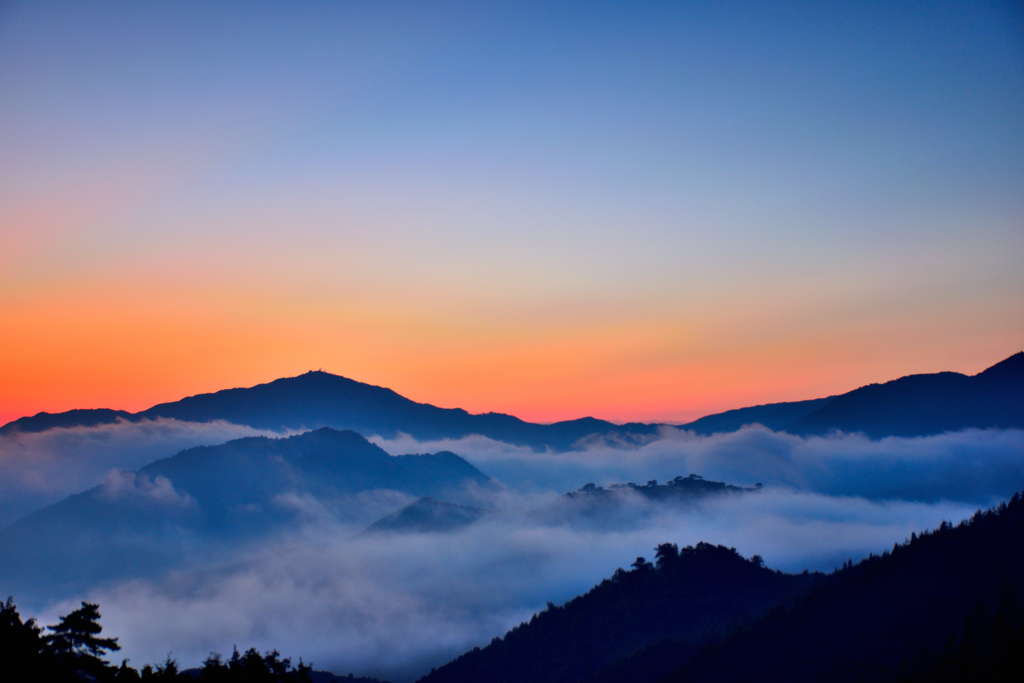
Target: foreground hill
x=319, y=399
x=690, y=595
x=140, y=522
x=946, y=604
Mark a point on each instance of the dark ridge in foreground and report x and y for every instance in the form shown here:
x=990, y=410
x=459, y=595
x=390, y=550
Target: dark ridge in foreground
x=944, y=606
x=689, y=594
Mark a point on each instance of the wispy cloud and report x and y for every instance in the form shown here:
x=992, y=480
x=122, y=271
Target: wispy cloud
x=42, y=468
x=976, y=466
x=394, y=606
x=119, y=485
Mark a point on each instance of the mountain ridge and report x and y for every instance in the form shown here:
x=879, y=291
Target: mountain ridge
x=319, y=399
x=913, y=405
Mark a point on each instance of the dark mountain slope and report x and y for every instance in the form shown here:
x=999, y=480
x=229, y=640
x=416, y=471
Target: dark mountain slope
x=688, y=593
x=203, y=498
x=319, y=399
x=919, y=405
x=889, y=614
x=773, y=416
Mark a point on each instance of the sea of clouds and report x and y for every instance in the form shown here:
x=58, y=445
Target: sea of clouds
x=396, y=605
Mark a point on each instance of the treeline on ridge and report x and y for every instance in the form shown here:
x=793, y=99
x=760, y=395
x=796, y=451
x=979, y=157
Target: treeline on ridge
x=943, y=606
x=73, y=650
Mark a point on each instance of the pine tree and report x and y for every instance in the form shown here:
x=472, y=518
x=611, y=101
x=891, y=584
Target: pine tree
x=76, y=642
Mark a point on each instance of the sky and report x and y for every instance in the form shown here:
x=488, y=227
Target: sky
x=637, y=211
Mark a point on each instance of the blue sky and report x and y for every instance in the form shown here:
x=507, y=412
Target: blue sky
x=636, y=210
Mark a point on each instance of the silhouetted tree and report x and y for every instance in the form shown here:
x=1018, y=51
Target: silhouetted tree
x=23, y=653
x=665, y=553
x=77, y=634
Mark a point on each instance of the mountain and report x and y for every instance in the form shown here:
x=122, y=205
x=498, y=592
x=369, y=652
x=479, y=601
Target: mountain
x=945, y=606
x=319, y=399
x=773, y=416
x=917, y=405
x=427, y=515
x=688, y=594
x=680, y=488
x=199, y=500
x=920, y=405
x=610, y=507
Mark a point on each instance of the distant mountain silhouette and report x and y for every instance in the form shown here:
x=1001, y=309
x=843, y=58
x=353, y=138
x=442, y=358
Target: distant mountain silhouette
x=680, y=488
x=916, y=405
x=610, y=507
x=140, y=522
x=427, y=515
x=690, y=594
x=40, y=422
x=919, y=405
x=319, y=399
x=773, y=416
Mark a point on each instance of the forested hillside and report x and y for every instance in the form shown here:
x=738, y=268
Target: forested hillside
x=692, y=594
x=945, y=605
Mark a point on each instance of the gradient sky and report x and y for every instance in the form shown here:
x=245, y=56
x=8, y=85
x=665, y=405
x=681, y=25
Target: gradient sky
x=630, y=210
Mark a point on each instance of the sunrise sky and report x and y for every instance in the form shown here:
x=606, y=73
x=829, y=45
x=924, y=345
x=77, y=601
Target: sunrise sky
x=645, y=211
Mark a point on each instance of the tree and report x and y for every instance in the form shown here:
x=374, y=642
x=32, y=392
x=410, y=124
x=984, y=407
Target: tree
x=665, y=553
x=23, y=654
x=77, y=636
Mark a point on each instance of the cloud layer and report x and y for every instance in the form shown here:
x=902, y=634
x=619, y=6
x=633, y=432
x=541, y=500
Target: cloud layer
x=42, y=468
x=976, y=466
x=394, y=606
x=398, y=604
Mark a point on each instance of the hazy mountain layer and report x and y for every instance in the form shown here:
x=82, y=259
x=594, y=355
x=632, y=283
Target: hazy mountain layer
x=205, y=498
x=427, y=515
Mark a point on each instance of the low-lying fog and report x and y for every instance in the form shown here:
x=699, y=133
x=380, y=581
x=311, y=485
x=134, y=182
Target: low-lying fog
x=395, y=605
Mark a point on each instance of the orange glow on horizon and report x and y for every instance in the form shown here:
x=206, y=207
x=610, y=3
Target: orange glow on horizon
x=128, y=353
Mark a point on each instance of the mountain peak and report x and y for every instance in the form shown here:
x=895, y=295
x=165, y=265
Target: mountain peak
x=1012, y=367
